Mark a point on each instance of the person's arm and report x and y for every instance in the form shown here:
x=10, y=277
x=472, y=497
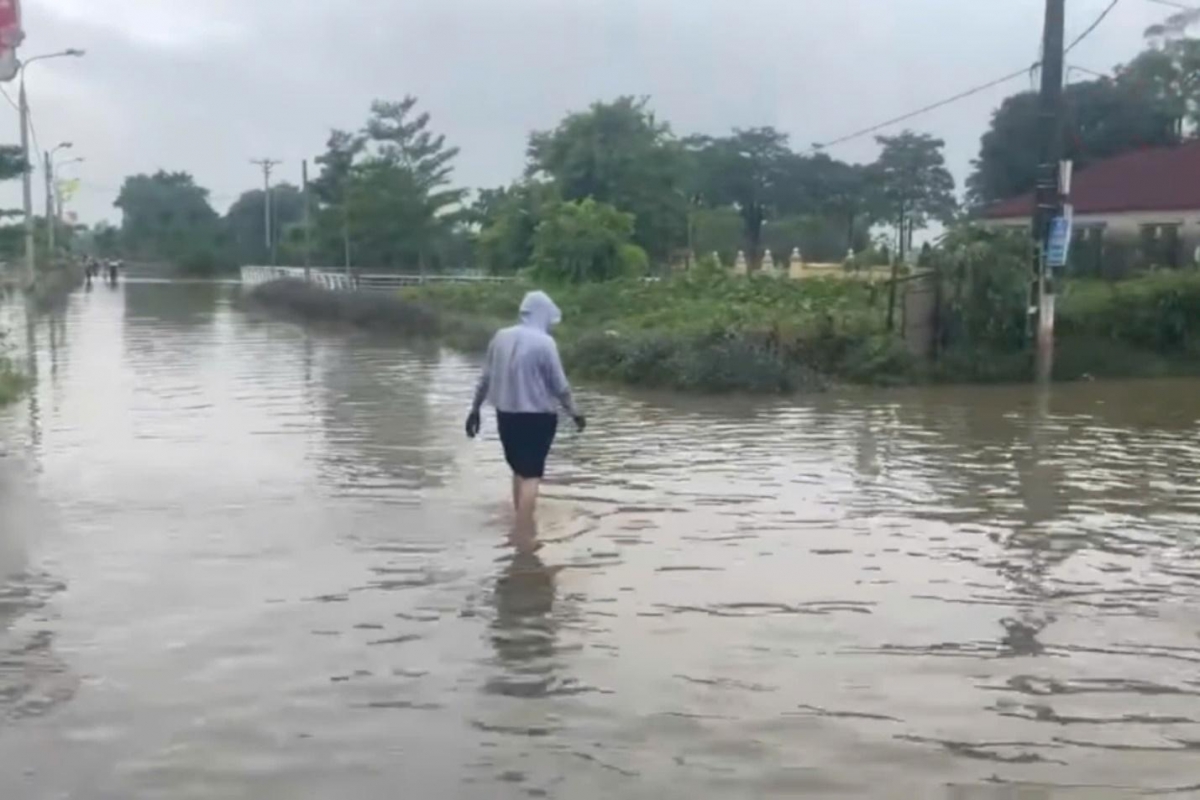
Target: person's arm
x=556, y=381
x=485, y=381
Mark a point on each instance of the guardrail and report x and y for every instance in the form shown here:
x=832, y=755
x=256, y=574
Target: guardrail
x=340, y=280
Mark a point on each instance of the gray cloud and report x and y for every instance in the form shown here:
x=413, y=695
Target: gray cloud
x=208, y=84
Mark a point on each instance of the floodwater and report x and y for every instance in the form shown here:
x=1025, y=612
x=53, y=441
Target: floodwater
x=248, y=561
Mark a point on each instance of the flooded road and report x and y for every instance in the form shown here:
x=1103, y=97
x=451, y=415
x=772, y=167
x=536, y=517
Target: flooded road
x=248, y=561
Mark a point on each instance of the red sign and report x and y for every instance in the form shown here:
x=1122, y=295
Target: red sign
x=11, y=33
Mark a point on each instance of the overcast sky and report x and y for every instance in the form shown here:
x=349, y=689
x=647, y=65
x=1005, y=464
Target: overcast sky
x=206, y=85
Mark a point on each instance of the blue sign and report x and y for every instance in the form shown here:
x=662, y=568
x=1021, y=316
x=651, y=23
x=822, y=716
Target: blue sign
x=1058, y=245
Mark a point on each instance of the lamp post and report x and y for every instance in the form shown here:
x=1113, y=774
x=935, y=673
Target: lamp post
x=27, y=182
x=58, y=184
x=51, y=222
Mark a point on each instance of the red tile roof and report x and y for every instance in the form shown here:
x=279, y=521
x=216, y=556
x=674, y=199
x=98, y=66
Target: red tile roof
x=1156, y=179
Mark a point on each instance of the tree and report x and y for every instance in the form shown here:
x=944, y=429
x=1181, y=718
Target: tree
x=1153, y=101
x=748, y=171
x=387, y=189
x=618, y=153
x=508, y=219
x=166, y=216
x=843, y=192
x=914, y=183
x=245, y=222
x=586, y=241
x=12, y=162
x=106, y=240
x=1175, y=25
x=1167, y=79
x=916, y=186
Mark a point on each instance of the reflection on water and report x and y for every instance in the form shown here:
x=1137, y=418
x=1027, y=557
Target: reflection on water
x=277, y=569
x=524, y=628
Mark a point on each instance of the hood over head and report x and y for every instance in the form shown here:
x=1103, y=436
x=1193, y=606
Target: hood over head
x=539, y=311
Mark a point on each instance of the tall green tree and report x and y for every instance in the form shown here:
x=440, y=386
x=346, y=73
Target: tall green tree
x=1153, y=101
x=166, y=216
x=245, y=222
x=914, y=183
x=844, y=194
x=1103, y=119
x=749, y=171
x=386, y=191
x=620, y=154
x=1167, y=78
x=508, y=219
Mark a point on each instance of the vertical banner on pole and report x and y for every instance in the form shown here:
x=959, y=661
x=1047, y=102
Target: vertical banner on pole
x=11, y=35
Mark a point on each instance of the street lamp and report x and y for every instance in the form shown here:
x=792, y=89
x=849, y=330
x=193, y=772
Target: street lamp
x=27, y=182
x=51, y=217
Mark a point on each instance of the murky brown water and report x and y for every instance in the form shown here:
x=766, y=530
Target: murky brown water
x=249, y=562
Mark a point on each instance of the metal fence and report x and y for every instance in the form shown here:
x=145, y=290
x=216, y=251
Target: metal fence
x=340, y=280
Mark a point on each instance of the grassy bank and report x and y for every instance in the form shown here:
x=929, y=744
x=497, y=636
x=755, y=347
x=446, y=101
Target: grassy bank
x=1144, y=327
x=770, y=335
x=716, y=333
x=377, y=312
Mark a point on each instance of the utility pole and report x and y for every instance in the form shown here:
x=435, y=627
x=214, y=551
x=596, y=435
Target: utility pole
x=307, y=222
x=50, y=215
x=1048, y=197
x=27, y=186
x=268, y=166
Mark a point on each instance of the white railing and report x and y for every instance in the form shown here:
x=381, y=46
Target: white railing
x=340, y=280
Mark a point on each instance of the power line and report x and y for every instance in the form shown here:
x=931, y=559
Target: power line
x=9, y=99
x=1091, y=28
x=925, y=110
x=1171, y=4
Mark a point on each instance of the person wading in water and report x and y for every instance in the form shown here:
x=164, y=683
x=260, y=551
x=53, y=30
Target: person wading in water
x=524, y=379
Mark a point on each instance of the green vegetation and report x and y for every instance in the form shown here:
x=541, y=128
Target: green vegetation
x=703, y=332
x=1142, y=327
x=13, y=383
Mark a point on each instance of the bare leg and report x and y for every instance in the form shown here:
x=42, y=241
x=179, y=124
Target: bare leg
x=527, y=492
x=516, y=492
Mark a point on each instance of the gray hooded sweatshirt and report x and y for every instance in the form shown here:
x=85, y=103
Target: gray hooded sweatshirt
x=523, y=373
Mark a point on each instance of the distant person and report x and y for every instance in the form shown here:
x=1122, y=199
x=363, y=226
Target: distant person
x=113, y=266
x=523, y=378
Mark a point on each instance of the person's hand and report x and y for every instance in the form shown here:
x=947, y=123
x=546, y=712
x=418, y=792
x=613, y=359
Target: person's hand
x=473, y=424
x=580, y=422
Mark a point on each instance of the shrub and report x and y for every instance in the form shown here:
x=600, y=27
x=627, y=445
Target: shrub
x=585, y=241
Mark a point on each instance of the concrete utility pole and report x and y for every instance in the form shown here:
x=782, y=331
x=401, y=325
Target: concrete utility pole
x=49, y=169
x=307, y=222
x=268, y=166
x=27, y=186
x=1048, y=198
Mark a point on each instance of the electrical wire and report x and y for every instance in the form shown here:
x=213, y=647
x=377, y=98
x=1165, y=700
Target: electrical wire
x=1171, y=4
x=925, y=110
x=4, y=92
x=1091, y=28
x=37, y=148
x=969, y=92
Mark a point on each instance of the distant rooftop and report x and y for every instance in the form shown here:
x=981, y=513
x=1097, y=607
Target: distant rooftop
x=1154, y=179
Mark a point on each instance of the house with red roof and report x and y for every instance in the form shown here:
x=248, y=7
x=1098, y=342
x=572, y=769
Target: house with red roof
x=1137, y=210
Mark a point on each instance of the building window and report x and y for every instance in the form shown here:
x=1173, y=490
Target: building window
x=1161, y=245
x=1087, y=250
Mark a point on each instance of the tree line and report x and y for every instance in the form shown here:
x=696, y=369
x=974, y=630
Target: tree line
x=612, y=189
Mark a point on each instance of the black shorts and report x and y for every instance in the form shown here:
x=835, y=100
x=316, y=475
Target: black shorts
x=527, y=439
